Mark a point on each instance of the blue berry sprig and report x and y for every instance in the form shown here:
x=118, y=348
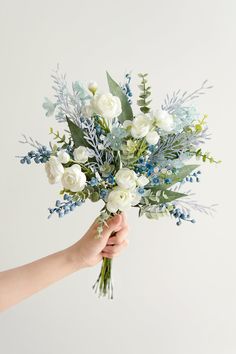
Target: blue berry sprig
x=193, y=177
x=64, y=207
x=181, y=215
x=41, y=155
x=126, y=88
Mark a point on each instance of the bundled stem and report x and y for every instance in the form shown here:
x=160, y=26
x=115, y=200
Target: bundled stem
x=103, y=285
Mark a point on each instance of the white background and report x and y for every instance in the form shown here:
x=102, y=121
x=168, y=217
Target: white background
x=174, y=286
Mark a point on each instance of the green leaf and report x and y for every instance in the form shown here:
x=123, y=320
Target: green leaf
x=182, y=173
x=116, y=90
x=77, y=134
x=166, y=196
x=141, y=87
x=141, y=102
x=171, y=196
x=144, y=109
x=178, y=177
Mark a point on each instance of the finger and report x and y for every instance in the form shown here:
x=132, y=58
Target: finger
x=124, y=222
x=116, y=248
x=109, y=255
x=114, y=254
x=113, y=225
x=118, y=237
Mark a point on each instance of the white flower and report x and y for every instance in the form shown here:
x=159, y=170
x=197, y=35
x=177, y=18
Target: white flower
x=119, y=199
x=81, y=154
x=126, y=178
x=163, y=120
x=136, y=197
x=164, y=171
x=106, y=105
x=63, y=156
x=152, y=138
x=54, y=170
x=127, y=124
x=140, y=126
x=87, y=111
x=142, y=181
x=74, y=179
x=92, y=86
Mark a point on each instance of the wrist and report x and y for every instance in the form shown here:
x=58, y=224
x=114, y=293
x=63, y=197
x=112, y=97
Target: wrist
x=74, y=258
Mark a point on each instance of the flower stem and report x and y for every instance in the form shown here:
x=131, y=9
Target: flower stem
x=103, y=284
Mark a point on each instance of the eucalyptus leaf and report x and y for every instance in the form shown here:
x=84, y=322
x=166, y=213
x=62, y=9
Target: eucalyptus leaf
x=141, y=102
x=144, y=109
x=116, y=90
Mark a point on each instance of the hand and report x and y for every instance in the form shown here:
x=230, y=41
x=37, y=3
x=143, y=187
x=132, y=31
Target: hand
x=19, y=283
x=89, y=250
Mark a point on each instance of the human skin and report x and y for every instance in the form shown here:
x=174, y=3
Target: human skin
x=19, y=283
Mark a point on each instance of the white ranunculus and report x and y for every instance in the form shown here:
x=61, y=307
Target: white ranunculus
x=136, y=197
x=87, y=111
x=142, y=181
x=63, y=156
x=152, y=138
x=81, y=154
x=106, y=105
x=74, y=179
x=119, y=199
x=126, y=178
x=163, y=120
x=127, y=124
x=140, y=126
x=54, y=170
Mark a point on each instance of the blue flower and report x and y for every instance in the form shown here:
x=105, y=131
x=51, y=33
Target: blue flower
x=49, y=106
x=93, y=181
x=155, y=180
x=111, y=179
x=103, y=193
x=168, y=180
x=115, y=137
x=141, y=190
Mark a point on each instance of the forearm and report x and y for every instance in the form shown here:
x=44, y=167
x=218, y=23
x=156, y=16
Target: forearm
x=19, y=283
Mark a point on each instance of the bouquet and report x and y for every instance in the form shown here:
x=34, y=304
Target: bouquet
x=126, y=159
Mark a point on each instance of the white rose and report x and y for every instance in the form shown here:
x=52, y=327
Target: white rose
x=106, y=105
x=140, y=126
x=74, y=179
x=163, y=120
x=54, y=170
x=119, y=199
x=63, y=156
x=81, y=154
x=152, y=138
x=142, y=181
x=126, y=178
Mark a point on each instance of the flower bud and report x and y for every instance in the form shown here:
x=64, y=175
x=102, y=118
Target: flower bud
x=92, y=86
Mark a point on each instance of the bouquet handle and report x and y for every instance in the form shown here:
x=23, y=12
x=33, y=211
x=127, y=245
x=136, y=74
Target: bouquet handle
x=103, y=285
